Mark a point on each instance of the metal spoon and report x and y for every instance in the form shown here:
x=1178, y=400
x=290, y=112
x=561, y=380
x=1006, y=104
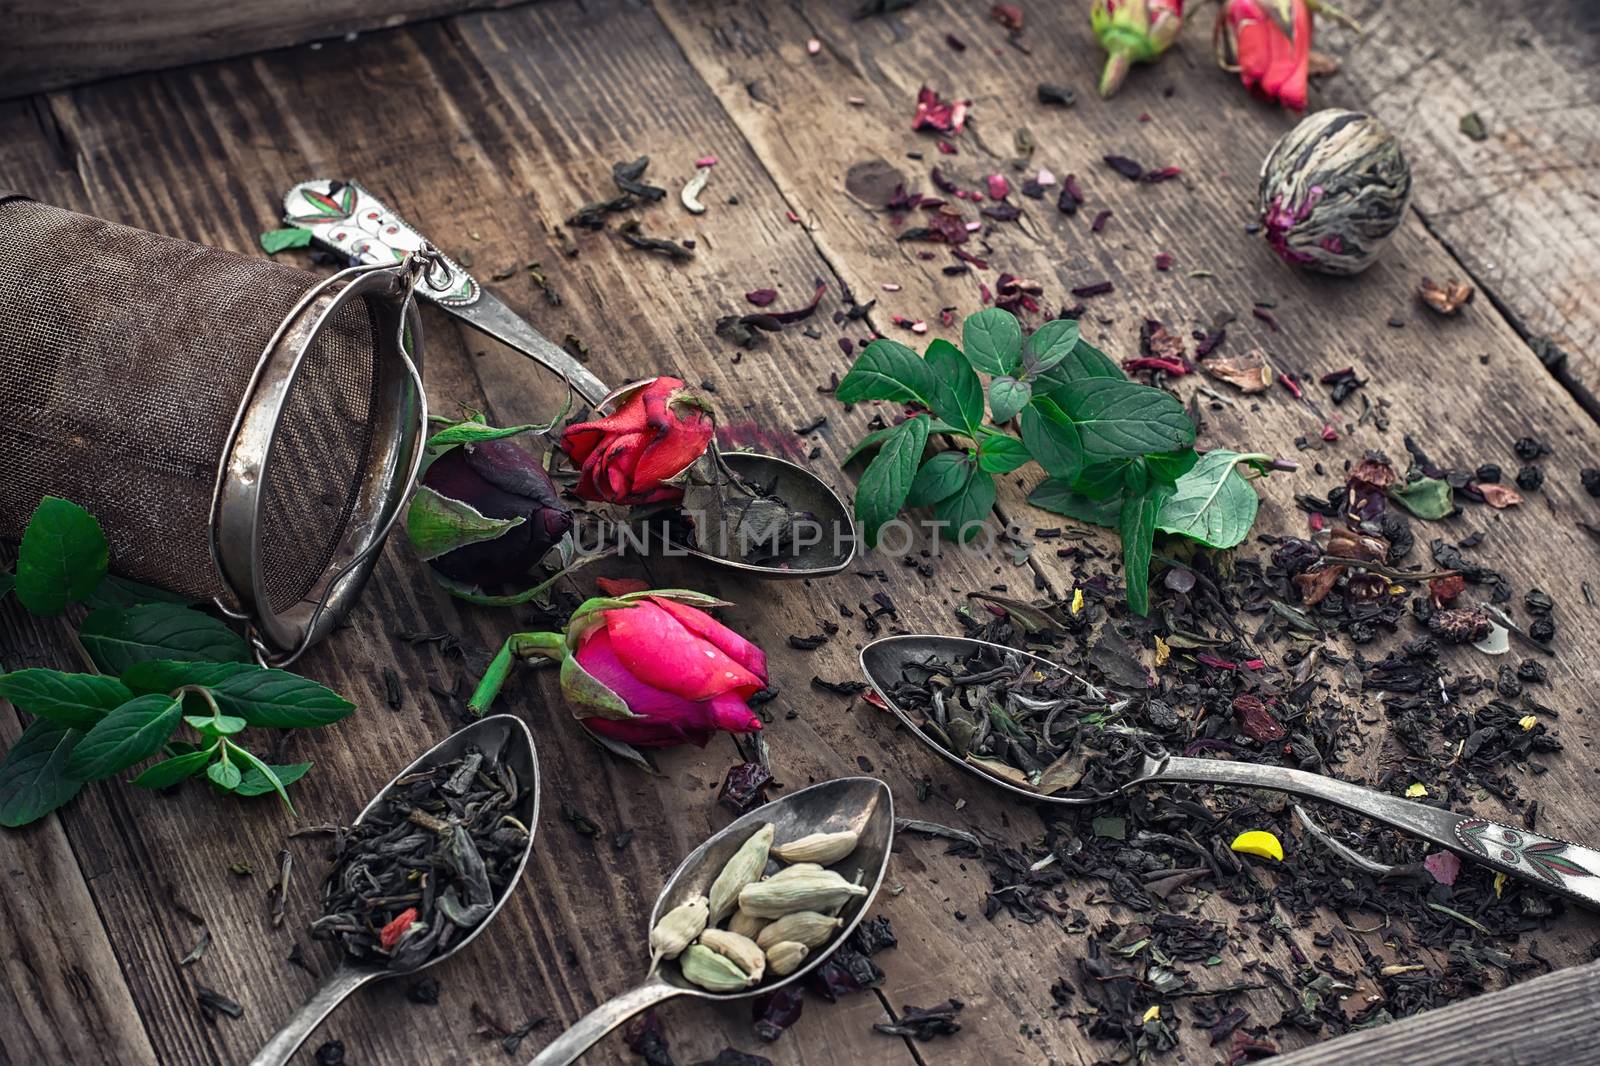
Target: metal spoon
x=345, y=218
x=1558, y=866
x=863, y=804
x=503, y=733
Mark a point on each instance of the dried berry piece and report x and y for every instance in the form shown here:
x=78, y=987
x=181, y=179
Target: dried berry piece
x=1533, y=670
x=1488, y=473
x=1460, y=625
x=1543, y=629
x=1538, y=601
x=1530, y=478
x=1530, y=448
x=1448, y=298
x=1295, y=556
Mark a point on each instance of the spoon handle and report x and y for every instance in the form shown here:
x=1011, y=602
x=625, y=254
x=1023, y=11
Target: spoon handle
x=278, y=1050
x=588, y=1030
x=1556, y=865
x=503, y=324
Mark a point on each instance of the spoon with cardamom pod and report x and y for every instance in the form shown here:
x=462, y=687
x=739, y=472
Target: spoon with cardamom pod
x=1022, y=723
x=466, y=808
x=772, y=518
x=722, y=931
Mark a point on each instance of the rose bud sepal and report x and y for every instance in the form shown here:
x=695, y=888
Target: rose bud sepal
x=1133, y=31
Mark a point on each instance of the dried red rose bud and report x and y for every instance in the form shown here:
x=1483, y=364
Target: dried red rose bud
x=1255, y=720
x=1268, y=44
x=1460, y=625
x=1133, y=31
x=631, y=456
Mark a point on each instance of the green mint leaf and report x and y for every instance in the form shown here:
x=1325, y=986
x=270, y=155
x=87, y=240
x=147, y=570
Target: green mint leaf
x=992, y=340
x=255, y=783
x=259, y=770
x=1211, y=503
x=958, y=395
x=1427, y=498
x=1007, y=396
x=438, y=525
x=128, y=735
x=887, y=480
x=168, y=675
x=942, y=476
x=1122, y=419
x=1100, y=481
x=62, y=558
x=118, y=638
x=214, y=726
x=1057, y=495
x=888, y=370
x=225, y=775
x=169, y=772
x=1048, y=345
x=963, y=513
x=277, y=699
x=1136, y=523
x=872, y=440
x=1051, y=440
x=33, y=778
x=77, y=700
x=1002, y=453
x=1083, y=363
x=274, y=241
x=117, y=591
x=1170, y=466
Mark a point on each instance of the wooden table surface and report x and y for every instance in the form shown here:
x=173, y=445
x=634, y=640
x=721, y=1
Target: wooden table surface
x=488, y=130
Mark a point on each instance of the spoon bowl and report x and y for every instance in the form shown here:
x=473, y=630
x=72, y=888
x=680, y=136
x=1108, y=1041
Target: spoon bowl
x=862, y=804
x=503, y=736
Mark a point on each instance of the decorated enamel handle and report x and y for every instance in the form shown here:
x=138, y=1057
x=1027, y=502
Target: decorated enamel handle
x=1558, y=866
x=345, y=218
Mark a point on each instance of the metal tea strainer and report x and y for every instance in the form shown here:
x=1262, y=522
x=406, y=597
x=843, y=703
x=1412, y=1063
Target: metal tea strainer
x=244, y=431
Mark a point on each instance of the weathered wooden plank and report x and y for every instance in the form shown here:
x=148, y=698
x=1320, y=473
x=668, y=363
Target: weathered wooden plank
x=50, y=45
x=1517, y=208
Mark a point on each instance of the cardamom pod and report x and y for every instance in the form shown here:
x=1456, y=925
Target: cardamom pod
x=785, y=957
x=677, y=929
x=796, y=870
x=740, y=949
x=804, y=891
x=715, y=973
x=745, y=866
x=807, y=927
x=824, y=848
x=746, y=924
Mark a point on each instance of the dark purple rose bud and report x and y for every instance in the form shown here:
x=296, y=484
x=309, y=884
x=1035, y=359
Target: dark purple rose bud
x=486, y=513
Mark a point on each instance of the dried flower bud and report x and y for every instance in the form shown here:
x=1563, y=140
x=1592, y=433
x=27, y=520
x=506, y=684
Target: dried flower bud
x=1448, y=298
x=1132, y=31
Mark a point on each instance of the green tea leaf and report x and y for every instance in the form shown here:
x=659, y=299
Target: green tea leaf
x=940, y=477
x=1428, y=498
x=77, y=700
x=1057, y=495
x=1082, y=363
x=118, y=638
x=62, y=558
x=33, y=779
x=1002, y=453
x=255, y=783
x=888, y=370
x=277, y=699
x=225, y=775
x=958, y=394
x=1170, y=466
x=1007, y=396
x=1051, y=440
x=887, y=480
x=1048, y=345
x=1136, y=523
x=438, y=525
x=1212, y=503
x=128, y=735
x=964, y=512
x=1120, y=419
x=992, y=339
x=169, y=772
x=274, y=241
x=167, y=675
x=117, y=591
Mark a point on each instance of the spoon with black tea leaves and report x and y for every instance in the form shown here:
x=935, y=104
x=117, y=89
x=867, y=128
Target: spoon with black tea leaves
x=345, y=218
x=863, y=805
x=503, y=738
x=1559, y=866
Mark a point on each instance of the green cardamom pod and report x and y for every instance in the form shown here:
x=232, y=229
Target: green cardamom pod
x=740, y=949
x=806, y=927
x=677, y=929
x=804, y=891
x=785, y=957
x=824, y=848
x=712, y=972
x=745, y=867
x=746, y=924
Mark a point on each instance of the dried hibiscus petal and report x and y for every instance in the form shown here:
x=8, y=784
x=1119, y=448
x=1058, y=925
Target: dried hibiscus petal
x=941, y=116
x=761, y=297
x=1125, y=166
x=1255, y=720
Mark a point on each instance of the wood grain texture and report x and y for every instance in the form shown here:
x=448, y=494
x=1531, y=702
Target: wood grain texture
x=487, y=131
x=1518, y=209
x=49, y=44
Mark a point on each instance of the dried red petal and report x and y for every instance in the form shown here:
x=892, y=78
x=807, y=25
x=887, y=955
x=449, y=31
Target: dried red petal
x=390, y=934
x=1497, y=495
x=1008, y=15
x=1255, y=720
x=999, y=187
x=1446, y=589
x=761, y=297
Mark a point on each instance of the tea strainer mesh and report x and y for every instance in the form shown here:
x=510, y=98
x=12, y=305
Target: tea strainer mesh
x=243, y=430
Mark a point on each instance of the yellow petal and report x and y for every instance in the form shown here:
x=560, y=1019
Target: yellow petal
x=1416, y=791
x=1163, y=652
x=1077, y=600
x=1499, y=884
x=1152, y=1014
x=1258, y=842
x=1527, y=721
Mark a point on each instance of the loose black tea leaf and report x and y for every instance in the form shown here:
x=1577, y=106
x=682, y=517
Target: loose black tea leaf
x=925, y=1023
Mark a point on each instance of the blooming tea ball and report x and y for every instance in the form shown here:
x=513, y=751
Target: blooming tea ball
x=1332, y=191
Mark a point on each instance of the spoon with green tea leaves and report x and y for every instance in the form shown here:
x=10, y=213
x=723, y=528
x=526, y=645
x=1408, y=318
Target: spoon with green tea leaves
x=1024, y=724
x=758, y=906
x=772, y=518
x=466, y=809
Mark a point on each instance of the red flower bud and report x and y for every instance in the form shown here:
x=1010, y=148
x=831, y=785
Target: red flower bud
x=631, y=455
x=1268, y=42
x=1133, y=31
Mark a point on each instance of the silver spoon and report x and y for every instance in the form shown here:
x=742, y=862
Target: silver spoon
x=502, y=733
x=1558, y=866
x=345, y=218
x=863, y=804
